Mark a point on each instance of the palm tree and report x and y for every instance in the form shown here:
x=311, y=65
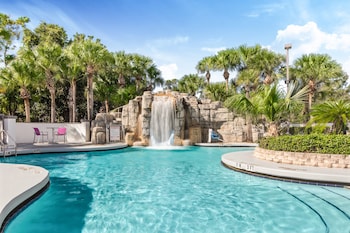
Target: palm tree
x=269, y=64
x=171, y=84
x=154, y=77
x=336, y=112
x=269, y=102
x=318, y=71
x=123, y=66
x=205, y=66
x=74, y=72
x=140, y=64
x=24, y=76
x=48, y=58
x=93, y=55
x=217, y=92
x=191, y=84
x=226, y=60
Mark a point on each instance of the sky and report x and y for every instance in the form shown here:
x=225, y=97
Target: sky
x=177, y=34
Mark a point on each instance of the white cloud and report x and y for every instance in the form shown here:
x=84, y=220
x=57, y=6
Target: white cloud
x=169, y=71
x=309, y=38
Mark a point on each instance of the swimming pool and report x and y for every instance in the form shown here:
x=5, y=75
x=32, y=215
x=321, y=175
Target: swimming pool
x=182, y=190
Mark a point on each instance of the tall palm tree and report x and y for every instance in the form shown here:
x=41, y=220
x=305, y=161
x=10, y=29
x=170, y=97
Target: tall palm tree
x=205, y=66
x=93, y=55
x=123, y=66
x=25, y=77
x=48, y=58
x=140, y=64
x=318, y=71
x=74, y=72
x=226, y=60
x=269, y=64
x=154, y=77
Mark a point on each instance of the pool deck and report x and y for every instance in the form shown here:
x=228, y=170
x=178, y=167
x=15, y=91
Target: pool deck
x=21, y=183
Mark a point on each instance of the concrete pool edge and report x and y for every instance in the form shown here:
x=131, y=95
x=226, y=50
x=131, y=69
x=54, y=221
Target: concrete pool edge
x=244, y=161
x=19, y=184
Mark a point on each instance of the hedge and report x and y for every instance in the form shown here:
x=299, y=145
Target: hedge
x=311, y=143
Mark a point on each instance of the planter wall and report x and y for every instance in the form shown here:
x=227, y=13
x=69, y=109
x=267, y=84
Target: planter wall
x=307, y=159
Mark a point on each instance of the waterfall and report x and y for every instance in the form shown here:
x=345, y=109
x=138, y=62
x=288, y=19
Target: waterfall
x=162, y=121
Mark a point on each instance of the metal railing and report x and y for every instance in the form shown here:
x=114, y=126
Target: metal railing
x=5, y=146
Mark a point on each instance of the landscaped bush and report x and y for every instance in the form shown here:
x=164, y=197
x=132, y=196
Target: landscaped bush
x=312, y=143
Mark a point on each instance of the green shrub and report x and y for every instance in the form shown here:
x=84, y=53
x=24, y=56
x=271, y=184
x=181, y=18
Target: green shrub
x=312, y=143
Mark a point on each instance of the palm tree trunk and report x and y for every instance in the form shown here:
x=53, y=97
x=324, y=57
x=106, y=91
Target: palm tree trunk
x=50, y=84
x=226, y=77
x=53, y=105
x=90, y=94
x=74, y=102
x=107, y=105
x=27, y=109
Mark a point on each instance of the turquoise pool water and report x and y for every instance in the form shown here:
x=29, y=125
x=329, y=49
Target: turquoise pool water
x=183, y=190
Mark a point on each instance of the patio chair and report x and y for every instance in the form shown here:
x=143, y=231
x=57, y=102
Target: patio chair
x=61, y=131
x=40, y=134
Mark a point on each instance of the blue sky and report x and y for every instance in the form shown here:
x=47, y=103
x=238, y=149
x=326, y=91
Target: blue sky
x=176, y=34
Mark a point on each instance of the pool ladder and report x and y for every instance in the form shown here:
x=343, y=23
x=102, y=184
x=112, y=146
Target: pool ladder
x=5, y=147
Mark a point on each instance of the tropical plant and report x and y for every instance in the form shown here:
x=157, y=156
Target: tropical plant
x=335, y=112
x=205, y=66
x=226, y=60
x=191, y=84
x=217, y=91
x=123, y=66
x=154, y=77
x=48, y=58
x=319, y=72
x=93, y=55
x=10, y=30
x=270, y=102
x=74, y=72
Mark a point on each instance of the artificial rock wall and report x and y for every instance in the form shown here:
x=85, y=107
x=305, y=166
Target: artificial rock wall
x=193, y=119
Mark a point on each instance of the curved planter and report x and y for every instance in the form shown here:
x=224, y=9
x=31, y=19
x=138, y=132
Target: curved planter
x=307, y=159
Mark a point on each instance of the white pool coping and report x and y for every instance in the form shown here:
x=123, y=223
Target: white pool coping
x=245, y=161
x=19, y=183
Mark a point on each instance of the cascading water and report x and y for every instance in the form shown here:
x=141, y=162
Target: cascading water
x=162, y=121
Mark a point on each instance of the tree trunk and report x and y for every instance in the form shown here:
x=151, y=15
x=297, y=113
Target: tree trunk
x=272, y=130
x=207, y=75
x=27, y=109
x=107, y=105
x=24, y=94
x=74, y=100
x=50, y=84
x=226, y=77
x=53, y=105
x=90, y=94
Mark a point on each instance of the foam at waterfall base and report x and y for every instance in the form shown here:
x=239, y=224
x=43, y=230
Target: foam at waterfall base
x=166, y=147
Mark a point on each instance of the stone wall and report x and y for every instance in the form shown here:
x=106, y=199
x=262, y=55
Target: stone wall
x=191, y=113
x=307, y=159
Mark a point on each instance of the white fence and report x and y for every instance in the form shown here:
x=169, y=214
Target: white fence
x=24, y=133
